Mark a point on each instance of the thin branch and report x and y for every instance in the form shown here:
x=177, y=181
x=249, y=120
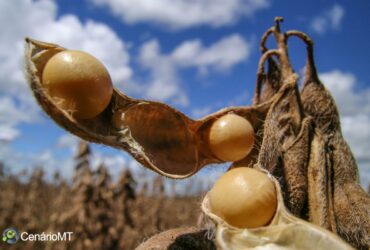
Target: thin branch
x=264, y=38
x=261, y=72
x=311, y=72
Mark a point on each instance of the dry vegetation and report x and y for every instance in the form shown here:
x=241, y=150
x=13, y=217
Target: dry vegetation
x=102, y=214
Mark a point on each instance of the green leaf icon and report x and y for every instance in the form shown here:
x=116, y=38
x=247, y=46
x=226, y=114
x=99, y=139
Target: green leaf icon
x=5, y=238
x=10, y=234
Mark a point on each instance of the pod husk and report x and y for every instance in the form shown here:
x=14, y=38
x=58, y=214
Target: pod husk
x=349, y=204
x=158, y=136
x=285, y=231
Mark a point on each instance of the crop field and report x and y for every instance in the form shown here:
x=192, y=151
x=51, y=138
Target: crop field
x=102, y=214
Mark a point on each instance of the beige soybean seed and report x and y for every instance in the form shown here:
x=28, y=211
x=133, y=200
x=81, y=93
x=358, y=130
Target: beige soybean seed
x=244, y=198
x=78, y=83
x=231, y=137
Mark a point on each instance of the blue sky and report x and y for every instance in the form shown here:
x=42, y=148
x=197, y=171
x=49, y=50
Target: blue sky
x=198, y=56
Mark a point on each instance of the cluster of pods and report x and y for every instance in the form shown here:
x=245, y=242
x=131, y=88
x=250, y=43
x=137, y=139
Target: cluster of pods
x=289, y=140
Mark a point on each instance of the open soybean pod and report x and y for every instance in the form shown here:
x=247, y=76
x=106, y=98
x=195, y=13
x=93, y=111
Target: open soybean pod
x=283, y=231
x=155, y=134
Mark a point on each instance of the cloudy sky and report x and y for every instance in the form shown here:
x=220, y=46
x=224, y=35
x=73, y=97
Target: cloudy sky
x=198, y=56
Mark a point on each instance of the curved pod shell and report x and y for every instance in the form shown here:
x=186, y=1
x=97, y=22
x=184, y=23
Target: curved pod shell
x=158, y=136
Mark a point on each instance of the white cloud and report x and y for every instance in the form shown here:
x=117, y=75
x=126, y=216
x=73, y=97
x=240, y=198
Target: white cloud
x=354, y=108
x=221, y=55
x=11, y=115
x=164, y=68
x=328, y=20
x=8, y=133
x=343, y=85
x=180, y=14
x=68, y=141
x=164, y=82
x=38, y=19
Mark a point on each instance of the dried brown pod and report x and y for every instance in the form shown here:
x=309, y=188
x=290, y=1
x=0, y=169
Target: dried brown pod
x=179, y=238
x=286, y=132
x=318, y=173
x=284, y=151
x=155, y=134
x=348, y=204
